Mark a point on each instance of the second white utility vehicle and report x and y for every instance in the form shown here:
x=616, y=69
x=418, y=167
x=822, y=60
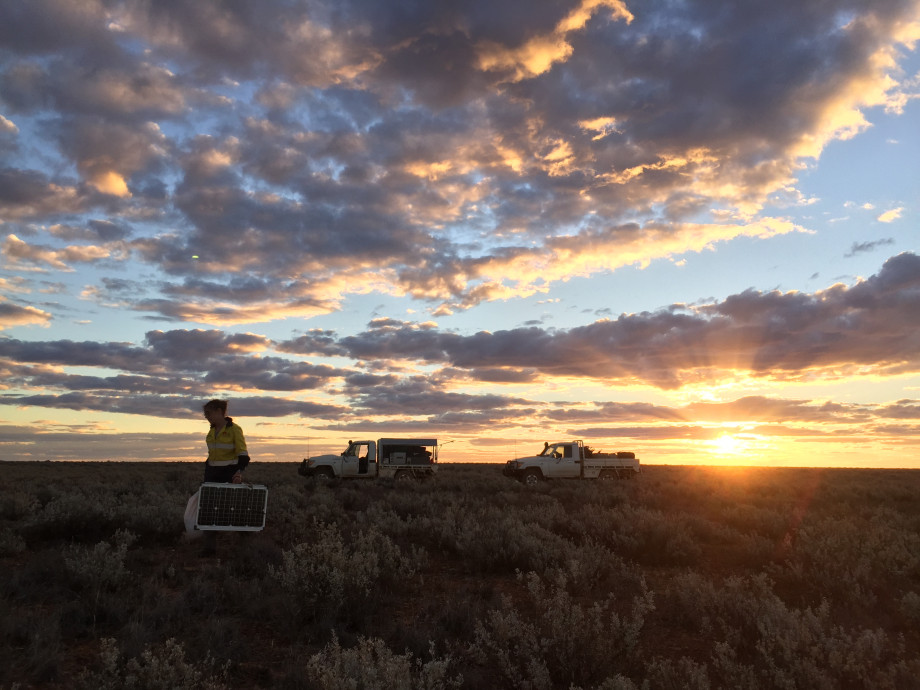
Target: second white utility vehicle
x=572, y=460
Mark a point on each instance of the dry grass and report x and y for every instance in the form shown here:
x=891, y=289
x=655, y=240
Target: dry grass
x=685, y=577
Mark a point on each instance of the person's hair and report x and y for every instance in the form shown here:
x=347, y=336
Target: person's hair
x=215, y=404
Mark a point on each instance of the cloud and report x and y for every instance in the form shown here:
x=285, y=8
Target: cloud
x=9, y=136
x=107, y=153
x=94, y=229
x=272, y=373
x=860, y=330
x=117, y=356
x=30, y=194
x=15, y=315
x=420, y=396
x=190, y=363
x=864, y=328
x=127, y=90
x=763, y=409
x=902, y=409
x=175, y=406
x=613, y=412
x=16, y=250
x=861, y=247
x=891, y=216
x=175, y=370
x=540, y=52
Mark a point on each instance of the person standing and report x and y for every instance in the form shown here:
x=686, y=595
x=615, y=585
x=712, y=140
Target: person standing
x=227, y=456
x=227, y=453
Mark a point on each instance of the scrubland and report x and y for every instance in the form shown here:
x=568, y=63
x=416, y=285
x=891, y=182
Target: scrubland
x=685, y=577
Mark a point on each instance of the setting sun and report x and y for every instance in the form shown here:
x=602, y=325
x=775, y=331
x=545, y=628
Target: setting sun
x=726, y=444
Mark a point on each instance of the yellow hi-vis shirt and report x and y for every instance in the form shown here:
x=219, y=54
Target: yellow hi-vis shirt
x=226, y=446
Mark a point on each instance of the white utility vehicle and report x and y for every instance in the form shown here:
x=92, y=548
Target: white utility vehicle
x=572, y=460
x=396, y=458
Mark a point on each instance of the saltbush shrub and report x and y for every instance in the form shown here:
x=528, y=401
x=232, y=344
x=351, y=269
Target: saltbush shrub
x=11, y=542
x=557, y=641
x=329, y=574
x=103, y=565
x=371, y=664
x=163, y=667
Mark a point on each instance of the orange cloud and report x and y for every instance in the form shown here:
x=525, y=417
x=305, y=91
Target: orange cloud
x=110, y=182
x=541, y=52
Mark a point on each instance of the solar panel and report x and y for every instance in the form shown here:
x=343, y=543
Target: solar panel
x=232, y=507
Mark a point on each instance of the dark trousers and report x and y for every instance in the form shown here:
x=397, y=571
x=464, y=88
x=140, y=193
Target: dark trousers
x=222, y=475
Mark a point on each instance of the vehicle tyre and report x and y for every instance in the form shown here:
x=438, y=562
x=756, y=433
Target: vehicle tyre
x=607, y=475
x=403, y=477
x=531, y=477
x=324, y=475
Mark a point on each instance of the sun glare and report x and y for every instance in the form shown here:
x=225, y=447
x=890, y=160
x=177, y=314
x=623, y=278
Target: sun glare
x=726, y=444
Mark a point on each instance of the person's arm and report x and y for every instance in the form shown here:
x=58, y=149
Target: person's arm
x=242, y=457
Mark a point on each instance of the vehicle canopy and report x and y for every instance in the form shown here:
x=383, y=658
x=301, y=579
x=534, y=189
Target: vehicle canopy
x=408, y=442
x=412, y=451
x=398, y=450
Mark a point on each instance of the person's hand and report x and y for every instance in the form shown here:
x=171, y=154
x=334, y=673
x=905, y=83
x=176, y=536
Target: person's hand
x=237, y=478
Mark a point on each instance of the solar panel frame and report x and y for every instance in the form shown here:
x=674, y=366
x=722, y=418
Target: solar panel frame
x=231, y=507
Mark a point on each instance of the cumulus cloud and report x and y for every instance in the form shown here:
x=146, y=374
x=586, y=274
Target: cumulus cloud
x=16, y=315
x=30, y=194
x=16, y=250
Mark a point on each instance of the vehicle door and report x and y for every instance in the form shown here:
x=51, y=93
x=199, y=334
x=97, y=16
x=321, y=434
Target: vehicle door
x=354, y=460
x=565, y=462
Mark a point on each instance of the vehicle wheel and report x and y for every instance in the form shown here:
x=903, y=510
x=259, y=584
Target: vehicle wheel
x=403, y=477
x=607, y=475
x=531, y=477
x=324, y=475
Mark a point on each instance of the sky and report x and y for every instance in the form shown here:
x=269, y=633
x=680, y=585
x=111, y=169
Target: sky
x=684, y=228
